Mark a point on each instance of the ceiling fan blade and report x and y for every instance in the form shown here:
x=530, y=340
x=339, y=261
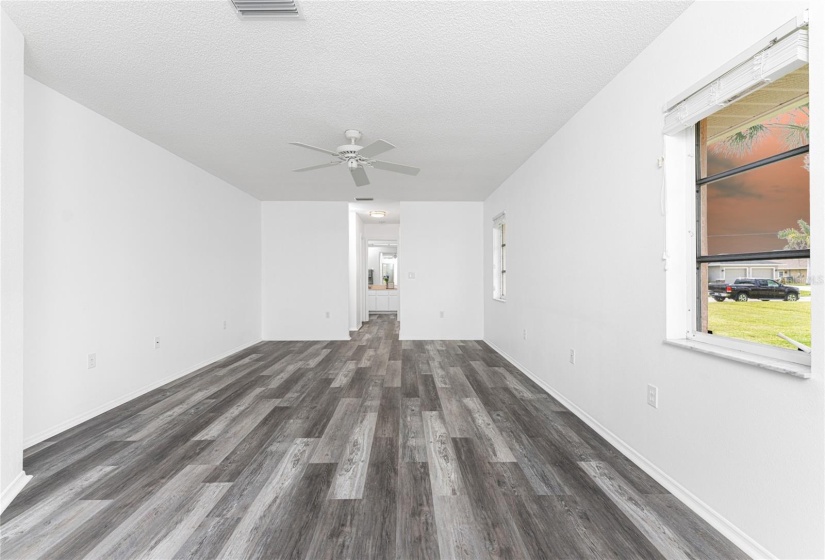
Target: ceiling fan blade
x=330, y=152
x=397, y=167
x=377, y=147
x=359, y=176
x=330, y=164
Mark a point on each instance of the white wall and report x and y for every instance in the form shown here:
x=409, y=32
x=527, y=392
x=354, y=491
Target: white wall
x=745, y=442
x=295, y=304
x=12, y=477
x=442, y=247
x=384, y=232
x=374, y=263
x=124, y=242
x=356, y=276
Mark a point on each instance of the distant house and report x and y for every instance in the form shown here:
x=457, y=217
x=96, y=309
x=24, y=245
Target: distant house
x=794, y=270
x=790, y=270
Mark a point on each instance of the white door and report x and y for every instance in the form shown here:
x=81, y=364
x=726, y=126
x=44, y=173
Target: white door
x=732, y=274
x=393, y=303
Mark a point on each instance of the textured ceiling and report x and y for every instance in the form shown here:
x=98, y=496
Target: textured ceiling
x=465, y=90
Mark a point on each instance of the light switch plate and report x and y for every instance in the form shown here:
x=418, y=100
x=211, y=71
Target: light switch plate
x=653, y=396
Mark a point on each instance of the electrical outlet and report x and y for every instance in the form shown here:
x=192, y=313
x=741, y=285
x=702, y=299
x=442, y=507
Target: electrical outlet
x=572, y=356
x=91, y=361
x=524, y=334
x=224, y=325
x=441, y=314
x=653, y=396
x=157, y=343
x=327, y=314
x=411, y=275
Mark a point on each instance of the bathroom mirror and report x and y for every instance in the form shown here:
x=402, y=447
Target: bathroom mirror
x=388, y=268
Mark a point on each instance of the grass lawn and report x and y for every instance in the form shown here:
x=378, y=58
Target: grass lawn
x=759, y=321
x=804, y=289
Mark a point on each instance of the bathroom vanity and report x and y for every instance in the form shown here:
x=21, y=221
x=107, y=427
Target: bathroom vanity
x=381, y=299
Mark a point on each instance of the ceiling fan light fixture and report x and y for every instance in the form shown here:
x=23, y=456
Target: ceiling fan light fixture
x=377, y=213
x=358, y=158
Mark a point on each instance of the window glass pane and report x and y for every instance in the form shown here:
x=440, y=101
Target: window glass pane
x=504, y=258
x=764, y=209
x=767, y=122
x=734, y=306
x=503, y=284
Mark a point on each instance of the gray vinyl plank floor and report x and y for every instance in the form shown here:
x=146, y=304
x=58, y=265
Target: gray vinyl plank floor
x=368, y=448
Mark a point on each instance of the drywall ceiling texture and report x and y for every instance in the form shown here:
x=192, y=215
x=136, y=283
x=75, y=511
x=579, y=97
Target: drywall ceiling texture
x=466, y=90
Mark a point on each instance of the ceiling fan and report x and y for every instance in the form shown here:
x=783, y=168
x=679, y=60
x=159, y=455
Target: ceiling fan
x=358, y=158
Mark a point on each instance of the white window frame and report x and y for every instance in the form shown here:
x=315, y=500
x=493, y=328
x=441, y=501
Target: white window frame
x=679, y=207
x=499, y=245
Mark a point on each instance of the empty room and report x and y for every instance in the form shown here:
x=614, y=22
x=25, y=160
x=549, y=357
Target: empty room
x=401, y=279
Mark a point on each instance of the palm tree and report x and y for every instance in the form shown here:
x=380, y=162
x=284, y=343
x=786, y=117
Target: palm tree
x=743, y=142
x=797, y=238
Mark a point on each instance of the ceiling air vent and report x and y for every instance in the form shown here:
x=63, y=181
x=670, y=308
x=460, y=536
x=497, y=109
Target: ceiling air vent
x=362, y=199
x=267, y=9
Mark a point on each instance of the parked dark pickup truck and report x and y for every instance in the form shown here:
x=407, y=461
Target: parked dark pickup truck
x=752, y=288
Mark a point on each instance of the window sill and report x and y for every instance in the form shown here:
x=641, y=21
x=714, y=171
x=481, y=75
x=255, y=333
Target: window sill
x=797, y=370
x=502, y=300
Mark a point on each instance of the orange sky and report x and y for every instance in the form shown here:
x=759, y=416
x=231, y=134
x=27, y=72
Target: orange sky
x=746, y=211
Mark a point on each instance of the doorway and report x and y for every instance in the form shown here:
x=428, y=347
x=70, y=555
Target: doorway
x=383, y=291
x=375, y=242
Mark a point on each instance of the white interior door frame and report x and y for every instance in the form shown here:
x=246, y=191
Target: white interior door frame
x=363, y=314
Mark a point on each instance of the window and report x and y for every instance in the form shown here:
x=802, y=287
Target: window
x=742, y=214
x=753, y=208
x=499, y=257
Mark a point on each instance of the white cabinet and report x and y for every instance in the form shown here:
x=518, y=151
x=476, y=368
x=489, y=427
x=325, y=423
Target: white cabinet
x=382, y=300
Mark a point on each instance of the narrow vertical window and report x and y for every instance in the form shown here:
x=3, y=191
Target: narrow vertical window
x=499, y=257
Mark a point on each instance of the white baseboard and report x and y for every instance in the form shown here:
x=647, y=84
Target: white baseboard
x=79, y=419
x=13, y=489
x=305, y=339
x=717, y=521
